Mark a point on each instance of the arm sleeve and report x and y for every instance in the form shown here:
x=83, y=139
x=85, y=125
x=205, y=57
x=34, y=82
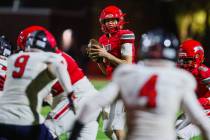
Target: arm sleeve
x=58, y=68
x=105, y=97
x=127, y=39
x=127, y=49
x=196, y=113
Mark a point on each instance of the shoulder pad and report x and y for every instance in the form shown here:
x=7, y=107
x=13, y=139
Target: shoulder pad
x=203, y=68
x=204, y=72
x=53, y=57
x=127, y=35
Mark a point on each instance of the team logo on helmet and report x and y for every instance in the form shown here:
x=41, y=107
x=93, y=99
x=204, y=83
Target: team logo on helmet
x=109, y=16
x=198, y=48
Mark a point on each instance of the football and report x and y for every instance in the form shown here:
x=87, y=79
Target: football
x=93, y=43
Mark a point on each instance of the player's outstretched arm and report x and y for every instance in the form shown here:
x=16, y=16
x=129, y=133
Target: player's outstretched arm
x=103, y=98
x=194, y=110
x=58, y=68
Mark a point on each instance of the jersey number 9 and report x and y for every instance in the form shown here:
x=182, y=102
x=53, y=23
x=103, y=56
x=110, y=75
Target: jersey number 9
x=20, y=63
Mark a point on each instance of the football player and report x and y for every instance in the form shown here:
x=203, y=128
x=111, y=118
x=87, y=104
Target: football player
x=5, y=51
x=118, y=43
x=146, y=87
x=28, y=73
x=117, y=48
x=61, y=118
x=191, y=58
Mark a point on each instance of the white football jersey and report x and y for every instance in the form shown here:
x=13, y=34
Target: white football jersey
x=3, y=69
x=3, y=66
x=27, y=74
x=152, y=96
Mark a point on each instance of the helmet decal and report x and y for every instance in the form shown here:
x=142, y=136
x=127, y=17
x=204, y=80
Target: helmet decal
x=198, y=48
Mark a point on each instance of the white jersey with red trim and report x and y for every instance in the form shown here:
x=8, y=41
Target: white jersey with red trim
x=152, y=96
x=3, y=66
x=3, y=69
x=28, y=73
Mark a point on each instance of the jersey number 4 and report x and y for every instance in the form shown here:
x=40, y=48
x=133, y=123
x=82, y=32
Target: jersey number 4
x=149, y=90
x=20, y=63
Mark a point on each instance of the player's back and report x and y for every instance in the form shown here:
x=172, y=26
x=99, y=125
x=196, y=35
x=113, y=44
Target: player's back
x=26, y=75
x=152, y=97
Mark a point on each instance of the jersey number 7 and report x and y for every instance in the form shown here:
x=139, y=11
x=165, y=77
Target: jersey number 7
x=149, y=91
x=20, y=63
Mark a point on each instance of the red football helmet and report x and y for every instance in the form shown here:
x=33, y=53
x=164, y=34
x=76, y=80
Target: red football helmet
x=191, y=54
x=111, y=12
x=21, y=40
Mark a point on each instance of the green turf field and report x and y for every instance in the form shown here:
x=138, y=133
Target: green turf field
x=98, y=85
x=100, y=136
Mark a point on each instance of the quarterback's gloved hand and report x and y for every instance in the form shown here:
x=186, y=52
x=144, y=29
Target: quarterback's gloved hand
x=76, y=130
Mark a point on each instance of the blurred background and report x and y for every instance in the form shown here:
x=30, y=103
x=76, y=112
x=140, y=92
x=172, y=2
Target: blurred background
x=79, y=20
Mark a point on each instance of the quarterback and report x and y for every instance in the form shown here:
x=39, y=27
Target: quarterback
x=116, y=47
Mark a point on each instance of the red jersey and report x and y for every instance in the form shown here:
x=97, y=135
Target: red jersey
x=74, y=71
x=114, y=44
x=202, y=75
